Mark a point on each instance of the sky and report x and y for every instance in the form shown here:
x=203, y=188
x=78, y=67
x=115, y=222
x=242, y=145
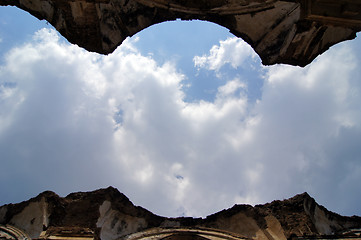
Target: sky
x=182, y=118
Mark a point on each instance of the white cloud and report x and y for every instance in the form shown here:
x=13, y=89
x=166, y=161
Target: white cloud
x=233, y=51
x=79, y=121
x=231, y=87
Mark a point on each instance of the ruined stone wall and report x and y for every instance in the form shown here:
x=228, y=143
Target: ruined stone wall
x=288, y=31
x=109, y=215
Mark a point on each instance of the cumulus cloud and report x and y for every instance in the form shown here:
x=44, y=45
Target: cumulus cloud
x=233, y=51
x=73, y=120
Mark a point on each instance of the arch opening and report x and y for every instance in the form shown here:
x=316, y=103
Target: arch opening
x=292, y=32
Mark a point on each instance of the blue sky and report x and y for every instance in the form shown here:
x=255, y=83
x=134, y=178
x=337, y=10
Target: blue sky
x=182, y=118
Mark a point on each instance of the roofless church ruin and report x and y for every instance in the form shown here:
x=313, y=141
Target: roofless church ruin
x=108, y=214
x=290, y=31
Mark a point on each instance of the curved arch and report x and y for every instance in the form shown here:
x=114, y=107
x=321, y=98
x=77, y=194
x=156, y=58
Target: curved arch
x=289, y=31
x=11, y=232
x=185, y=234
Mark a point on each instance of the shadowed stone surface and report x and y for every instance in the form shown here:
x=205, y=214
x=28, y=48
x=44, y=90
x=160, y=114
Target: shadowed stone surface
x=290, y=31
x=109, y=215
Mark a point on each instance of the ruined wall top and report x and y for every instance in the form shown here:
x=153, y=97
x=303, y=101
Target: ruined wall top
x=289, y=31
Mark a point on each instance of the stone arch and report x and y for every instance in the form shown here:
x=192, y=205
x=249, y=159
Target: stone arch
x=12, y=233
x=288, y=31
x=185, y=234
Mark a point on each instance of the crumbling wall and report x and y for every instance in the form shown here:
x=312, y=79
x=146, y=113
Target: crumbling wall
x=290, y=31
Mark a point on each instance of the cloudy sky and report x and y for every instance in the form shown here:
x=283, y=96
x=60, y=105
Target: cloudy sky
x=182, y=118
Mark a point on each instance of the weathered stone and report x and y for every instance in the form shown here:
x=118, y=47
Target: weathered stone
x=289, y=31
x=109, y=215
